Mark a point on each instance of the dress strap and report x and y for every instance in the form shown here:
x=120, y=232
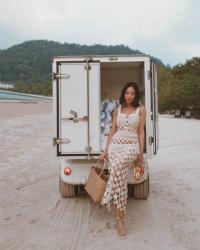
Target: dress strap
x=137, y=110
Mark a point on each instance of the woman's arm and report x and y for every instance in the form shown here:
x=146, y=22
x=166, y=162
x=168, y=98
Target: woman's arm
x=111, y=133
x=112, y=130
x=142, y=122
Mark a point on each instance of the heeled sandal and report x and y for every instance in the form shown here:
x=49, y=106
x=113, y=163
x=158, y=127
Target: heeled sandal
x=117, y=226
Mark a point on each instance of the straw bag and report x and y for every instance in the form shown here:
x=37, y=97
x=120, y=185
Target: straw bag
x=96, y=183
x=138, y=173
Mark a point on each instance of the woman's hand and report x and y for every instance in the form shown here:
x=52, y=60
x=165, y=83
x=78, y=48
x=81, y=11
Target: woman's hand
x=104, y=156
x=140, y=158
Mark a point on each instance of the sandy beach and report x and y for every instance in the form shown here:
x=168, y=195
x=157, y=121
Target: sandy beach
x=34, y=216
x=16, y=109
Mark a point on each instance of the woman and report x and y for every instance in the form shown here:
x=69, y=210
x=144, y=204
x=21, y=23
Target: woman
x=125, y=145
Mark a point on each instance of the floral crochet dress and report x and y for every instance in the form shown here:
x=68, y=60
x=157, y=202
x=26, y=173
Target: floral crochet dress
x=122, y=152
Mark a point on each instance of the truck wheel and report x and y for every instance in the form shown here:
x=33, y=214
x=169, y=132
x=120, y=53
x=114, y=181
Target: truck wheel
x=130, y=190
x=81, y=189
x=141, y=191
x=66, y=190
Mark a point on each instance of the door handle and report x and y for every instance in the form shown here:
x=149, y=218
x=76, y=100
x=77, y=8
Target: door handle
x=150, y=140
x=76, y=119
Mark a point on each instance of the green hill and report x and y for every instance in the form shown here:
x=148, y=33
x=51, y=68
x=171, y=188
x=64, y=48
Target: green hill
x=29, y=64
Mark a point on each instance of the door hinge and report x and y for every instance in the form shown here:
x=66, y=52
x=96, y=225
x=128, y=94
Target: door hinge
x=87, y=67
x=60, y=76
x=88, y=149
x=149, y=74
x=88, y=60
x=57, y=141
x=113, y=58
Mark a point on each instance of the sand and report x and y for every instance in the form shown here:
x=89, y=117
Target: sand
x=34, y=216
x=15, y=109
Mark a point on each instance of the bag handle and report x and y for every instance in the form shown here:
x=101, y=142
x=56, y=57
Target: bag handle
x=102, y=167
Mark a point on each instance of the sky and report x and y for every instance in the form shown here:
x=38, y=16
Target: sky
x=168, y=30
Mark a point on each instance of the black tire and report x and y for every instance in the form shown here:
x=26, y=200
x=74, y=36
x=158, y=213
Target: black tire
x=141, y=191
x=66, y=190
x=130, y=190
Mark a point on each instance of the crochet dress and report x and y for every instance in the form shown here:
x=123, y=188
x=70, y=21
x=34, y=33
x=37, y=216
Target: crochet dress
x=122, y=152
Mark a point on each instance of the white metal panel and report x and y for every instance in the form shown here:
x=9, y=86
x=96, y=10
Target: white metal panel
x=133, y=58
x=54, y=105
x=73, y=96
x=105, y=58
x=149, y=131
x=155, y=108
x=80, y=170
x=94, y=107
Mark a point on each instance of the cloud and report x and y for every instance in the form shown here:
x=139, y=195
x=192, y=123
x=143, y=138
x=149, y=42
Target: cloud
x=156, y=27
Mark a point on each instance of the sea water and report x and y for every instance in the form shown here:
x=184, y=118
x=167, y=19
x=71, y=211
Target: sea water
x=6, y=95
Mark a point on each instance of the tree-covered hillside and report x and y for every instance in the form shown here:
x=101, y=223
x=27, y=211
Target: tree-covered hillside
x=29, y=64
x=179, y=87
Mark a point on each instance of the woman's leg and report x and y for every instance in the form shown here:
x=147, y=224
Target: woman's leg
x=116, y=190
x=120, y=222
x=119, y=213
x=126, y=159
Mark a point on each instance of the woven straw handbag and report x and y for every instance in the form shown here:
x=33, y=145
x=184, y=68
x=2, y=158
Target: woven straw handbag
x=96, y=183
x=138, y=173
x=139, y=176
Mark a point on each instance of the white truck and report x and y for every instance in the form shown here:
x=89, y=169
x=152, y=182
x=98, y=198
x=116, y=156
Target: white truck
x=81, y=85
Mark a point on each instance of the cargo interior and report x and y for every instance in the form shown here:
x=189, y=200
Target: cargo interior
x=115, y=75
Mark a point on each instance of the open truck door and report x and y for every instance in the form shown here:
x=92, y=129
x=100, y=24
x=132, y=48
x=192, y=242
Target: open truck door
x=76, y=87
x=154, y=107
x=151, y=104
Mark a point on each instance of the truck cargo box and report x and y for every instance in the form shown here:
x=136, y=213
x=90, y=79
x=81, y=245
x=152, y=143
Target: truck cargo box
x=82, y=85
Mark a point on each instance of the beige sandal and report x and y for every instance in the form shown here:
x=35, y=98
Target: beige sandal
x=120, y=232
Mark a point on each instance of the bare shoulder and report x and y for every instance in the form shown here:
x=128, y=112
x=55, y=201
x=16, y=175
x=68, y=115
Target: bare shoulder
x=115, y=111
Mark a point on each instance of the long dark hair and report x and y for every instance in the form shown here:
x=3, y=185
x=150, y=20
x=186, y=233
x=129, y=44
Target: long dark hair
x=135, y=102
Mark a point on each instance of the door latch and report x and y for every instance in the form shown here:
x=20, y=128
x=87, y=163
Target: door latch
x=150, y=140
x=57, y=141
x=60, y=76
x=75, y=117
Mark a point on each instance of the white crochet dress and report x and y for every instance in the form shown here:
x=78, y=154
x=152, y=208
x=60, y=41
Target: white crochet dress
x=122, y=152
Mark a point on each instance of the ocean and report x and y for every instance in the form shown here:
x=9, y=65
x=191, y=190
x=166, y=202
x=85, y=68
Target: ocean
x=15, y=96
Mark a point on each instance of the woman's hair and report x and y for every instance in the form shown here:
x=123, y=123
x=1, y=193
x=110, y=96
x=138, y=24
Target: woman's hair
x=135, y=102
